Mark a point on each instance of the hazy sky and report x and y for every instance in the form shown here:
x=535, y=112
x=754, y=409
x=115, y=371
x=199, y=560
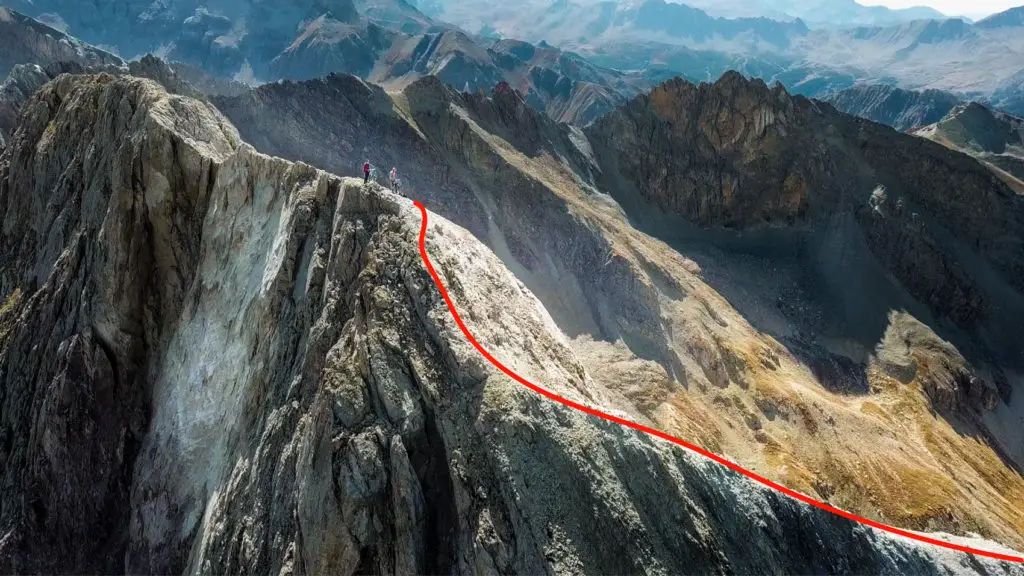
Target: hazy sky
x=951, y=7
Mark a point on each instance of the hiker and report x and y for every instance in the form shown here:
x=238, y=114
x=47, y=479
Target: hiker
x=394, y=179
x=366, y=172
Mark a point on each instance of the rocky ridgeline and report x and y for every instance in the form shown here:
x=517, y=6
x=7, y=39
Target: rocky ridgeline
x=386, y=42
x=217, y=361
x=27, y=41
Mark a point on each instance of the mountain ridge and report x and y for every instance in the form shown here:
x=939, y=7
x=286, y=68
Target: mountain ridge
x=814, y=62
x=1010, y=17
x=388, y=397
x=606, y=49
x=995, y=138
x=501, y=170
x=395, y=51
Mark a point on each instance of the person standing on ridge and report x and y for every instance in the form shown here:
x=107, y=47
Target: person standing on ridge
x=394, y=178
x=366, y=172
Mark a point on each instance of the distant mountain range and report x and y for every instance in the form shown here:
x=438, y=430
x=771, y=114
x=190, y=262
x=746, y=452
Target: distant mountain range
x=994, y=138
x=911, y=52
x=584, y=24
x=386, y=41
x=901, y=109
x=818, y=12
x=473, y=13
x=574, y=59
x=1010, y=18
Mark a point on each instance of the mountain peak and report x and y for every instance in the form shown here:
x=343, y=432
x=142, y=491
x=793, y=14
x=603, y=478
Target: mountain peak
x=974, y=126
x=1014, y=17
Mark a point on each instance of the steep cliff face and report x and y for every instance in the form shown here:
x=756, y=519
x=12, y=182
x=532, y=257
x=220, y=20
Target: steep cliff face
x=98, y=247
x=693, y=148
x=216, y=361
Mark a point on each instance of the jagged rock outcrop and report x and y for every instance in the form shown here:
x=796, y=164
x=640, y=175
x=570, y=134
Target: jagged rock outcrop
x=901, y=109
x=687, y=147
x=32, y=54
x=911, y=350
x=217, y=361
x=27, y=41
x=162, y=73
x=23, y=81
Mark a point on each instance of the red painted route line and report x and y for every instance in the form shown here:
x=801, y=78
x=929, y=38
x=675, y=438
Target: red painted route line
x=673, y=439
